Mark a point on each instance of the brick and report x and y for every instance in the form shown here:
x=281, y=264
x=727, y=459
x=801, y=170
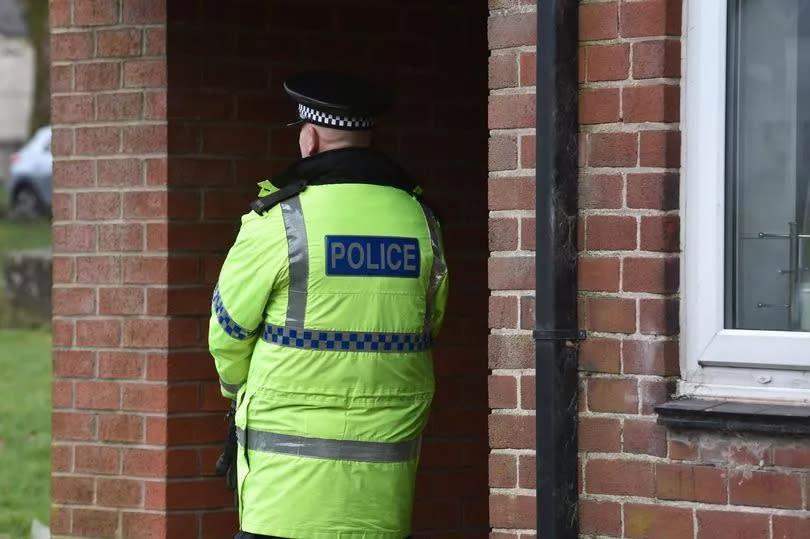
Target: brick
x=98, y=395
x=657, y=522
x=121, y=301
x=660, y=233
x=121, y=428
x=61, y=78
x=598, y=274
x=528, y=69
x=144, y=525
x=650, y=18
x=95, y=13
x=612, y=233
x=619, y=477
x=528, y=233
x=644, y=437
x=73, y=364
x=657, y=59
x=62, y=332
x=73, y=301
x=69, y=174
x=59, y=13
x=503, y=234
x=600, y=191
x=598, y=21
x=62, y=206
x=96, y=459
x=614, y=315
x=71, y=46
x=61, y=458
x=612, y=149
x=145, y=73
x=512, y=511
x=660, y=149
x=119, y=172
x=61, y=144
x=607, y=62
x=94, y=522
x=121, y=365
x=528, y=151
x=512, y=111
x=599, y=434
x=653, y=191
x=502, y=391
x=527, y=319
x=144, y=11
x=62, y=394
x=155, y=41
x=146, y=397
x=512, y=431
x=119, y=106
x=600, y=355
x=681, y=450
x=121, y=237
x=146, y=270
x=655, y=103
x=765, y=489
x=731, y=525
x=653, y=393
x=527, y=471
x=156, y=105
x=511, y=351
x=598, y=517
x=503, y=153
x=145, y=204
x=97, y=140
x=528, y=392
x=98, y=206
x=512, y=30
x=690, y=483
x=511, y=273
x=503, y=70
x=502, y=471
x=790, y=527
x=78, y=490
x=227, y=140
x=97, y=76
x=98, y=332
x=654, y=275
x=148, y=462
x=792, y=456
x=145, y=138
x=119, y=492
x=599, y=106
x=73, y=426
x=118, y=43
x=72, y=108
x=650, y=357
x=659, y=316
x=511, y=193
x=619, y=395
x=503, y=311
x=98, y=269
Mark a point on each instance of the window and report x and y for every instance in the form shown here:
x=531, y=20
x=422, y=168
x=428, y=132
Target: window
x=746, y=285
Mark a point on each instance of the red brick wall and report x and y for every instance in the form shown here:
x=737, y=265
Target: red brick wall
x=164, y=122
x=512, y=40
x=638, y=480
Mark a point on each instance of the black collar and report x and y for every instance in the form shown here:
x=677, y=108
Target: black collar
x=346, y=165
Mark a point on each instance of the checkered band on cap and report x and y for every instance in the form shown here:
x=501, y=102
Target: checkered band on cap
x=330, y=120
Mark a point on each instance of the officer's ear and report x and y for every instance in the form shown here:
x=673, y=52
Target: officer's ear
x=308, y=140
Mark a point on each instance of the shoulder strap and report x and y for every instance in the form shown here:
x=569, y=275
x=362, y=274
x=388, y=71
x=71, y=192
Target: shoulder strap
x=264, y=204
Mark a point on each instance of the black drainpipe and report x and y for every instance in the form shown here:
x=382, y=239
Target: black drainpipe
x=555, y=330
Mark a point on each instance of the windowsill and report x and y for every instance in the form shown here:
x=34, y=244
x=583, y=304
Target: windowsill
x=733, y=416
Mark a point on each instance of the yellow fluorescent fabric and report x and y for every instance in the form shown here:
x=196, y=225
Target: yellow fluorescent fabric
x=327, y=394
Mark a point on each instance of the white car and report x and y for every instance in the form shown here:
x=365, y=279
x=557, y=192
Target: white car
x=30, y=176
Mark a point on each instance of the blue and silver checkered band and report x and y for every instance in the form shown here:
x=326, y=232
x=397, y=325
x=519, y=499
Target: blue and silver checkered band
x=330, y=120
x=228, y=325
x=346, y=341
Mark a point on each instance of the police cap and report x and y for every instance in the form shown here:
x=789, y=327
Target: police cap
x=337, y=100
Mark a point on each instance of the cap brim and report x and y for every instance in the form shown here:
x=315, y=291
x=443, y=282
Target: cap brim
x=297, y=122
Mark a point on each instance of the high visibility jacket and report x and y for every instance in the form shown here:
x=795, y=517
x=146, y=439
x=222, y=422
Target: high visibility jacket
x=322, y=322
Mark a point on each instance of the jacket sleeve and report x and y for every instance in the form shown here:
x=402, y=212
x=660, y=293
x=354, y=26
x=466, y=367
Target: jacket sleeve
x=241, y=294
x=443, y=288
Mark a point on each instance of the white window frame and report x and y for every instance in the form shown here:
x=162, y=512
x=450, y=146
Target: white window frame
x=717, y=362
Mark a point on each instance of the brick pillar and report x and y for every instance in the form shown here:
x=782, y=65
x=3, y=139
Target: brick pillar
x=628, y=267
x=512, y=41
x=133, y=389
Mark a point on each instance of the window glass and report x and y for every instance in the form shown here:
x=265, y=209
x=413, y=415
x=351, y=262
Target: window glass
x=768, y=165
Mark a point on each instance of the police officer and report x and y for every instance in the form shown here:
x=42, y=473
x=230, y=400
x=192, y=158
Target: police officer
x=322, y=324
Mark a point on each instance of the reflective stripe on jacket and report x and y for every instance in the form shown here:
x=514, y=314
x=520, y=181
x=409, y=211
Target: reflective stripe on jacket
x=322, y=323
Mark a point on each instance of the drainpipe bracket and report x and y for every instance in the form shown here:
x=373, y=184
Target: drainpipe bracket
x=559, y=334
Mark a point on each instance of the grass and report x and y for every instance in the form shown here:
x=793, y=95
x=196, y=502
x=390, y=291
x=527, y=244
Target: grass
x=16, y=235
x=25, y=430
